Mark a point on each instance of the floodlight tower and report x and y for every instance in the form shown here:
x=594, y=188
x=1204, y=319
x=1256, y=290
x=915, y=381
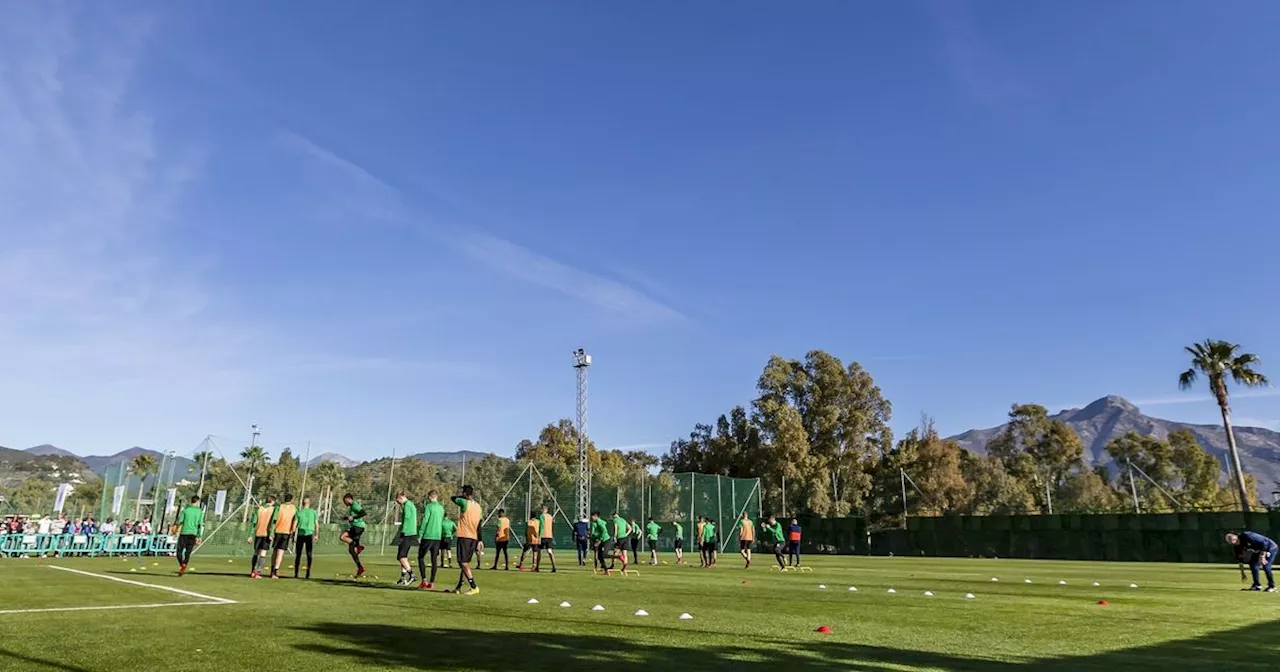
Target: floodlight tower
x=582, y=362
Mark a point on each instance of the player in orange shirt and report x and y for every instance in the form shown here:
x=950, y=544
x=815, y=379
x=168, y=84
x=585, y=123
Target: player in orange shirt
x=501, y=538
x=531, y=539
x=286, y=525
x=468, y=537
x=261, y=539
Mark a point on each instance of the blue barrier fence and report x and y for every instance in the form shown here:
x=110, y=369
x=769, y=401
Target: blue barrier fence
x=87, y=544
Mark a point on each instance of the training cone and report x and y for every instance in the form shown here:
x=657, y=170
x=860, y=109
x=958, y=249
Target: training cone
x=853, y=589
x=597, y=608
x=565, y=604
x=1103, y=603
x=928, y=593
x=994, y=580
x=745, y=582
x=133, y=569
x=891, y=591
x=230, y=561
x=686, y=617
x=1133, y=585
x=531, y=601
x=968, y=596
x=1026, y=580
x=822, y=586
x=1096, y=584
x=1062, y=583
x=823, y=630
x=641, y=612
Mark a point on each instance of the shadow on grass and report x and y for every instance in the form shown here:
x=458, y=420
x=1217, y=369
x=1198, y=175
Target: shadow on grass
x=1251, y=647
x=31, y=660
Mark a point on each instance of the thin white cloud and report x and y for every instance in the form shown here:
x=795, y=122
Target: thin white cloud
x=976, y=67
x=375, y=198
x=1201, y=398
x=89, y=294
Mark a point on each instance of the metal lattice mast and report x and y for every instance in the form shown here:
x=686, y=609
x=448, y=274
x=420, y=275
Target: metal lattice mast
x=582, y=362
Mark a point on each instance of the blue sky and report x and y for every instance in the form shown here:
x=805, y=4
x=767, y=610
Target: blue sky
x=386, y=227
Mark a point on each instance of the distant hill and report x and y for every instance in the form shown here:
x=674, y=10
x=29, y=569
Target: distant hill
x=17, y=466
x=47, y=449
x=341, y=460
x=1112, y=416
x=451, y=459
x=179, y=468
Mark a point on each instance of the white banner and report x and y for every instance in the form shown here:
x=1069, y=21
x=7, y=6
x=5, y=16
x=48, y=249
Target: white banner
x=220, y=503
x=173, y=492
x=63, y=491
x=117, y=498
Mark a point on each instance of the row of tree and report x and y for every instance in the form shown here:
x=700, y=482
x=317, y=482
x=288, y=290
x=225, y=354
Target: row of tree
x=820, y=430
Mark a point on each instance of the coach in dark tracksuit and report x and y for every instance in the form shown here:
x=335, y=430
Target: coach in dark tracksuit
x=1262, y=552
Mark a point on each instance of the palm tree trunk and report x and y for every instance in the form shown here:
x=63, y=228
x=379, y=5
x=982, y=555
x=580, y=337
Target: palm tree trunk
x=1241, y=491
x=137, y=503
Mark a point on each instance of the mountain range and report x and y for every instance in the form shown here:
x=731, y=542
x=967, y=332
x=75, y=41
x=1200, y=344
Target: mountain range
x=1112, y=416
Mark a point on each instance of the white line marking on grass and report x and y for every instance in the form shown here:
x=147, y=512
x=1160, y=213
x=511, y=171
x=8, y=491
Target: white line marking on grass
x=114, y=606
x=188, y=593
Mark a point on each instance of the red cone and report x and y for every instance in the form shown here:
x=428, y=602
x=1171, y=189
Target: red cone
x=1103, y=603
x=823, y=629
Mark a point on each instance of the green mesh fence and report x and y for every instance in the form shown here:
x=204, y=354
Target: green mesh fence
x=1173, y=537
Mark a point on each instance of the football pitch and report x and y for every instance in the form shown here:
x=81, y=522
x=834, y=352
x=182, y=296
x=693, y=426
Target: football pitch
x=114, y=614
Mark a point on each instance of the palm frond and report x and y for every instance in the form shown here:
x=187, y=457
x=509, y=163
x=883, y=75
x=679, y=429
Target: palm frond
x=1187, y=379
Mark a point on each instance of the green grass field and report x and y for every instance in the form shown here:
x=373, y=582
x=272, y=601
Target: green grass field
x=1181, y=617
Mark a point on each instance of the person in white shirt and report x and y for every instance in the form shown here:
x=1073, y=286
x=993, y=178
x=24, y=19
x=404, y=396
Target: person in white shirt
x=45, y=525
x=109, y=527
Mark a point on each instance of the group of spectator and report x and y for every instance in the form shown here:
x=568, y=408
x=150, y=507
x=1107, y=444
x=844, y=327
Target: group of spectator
x=64, y=525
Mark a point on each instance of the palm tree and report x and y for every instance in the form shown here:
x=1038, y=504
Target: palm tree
x=202, y=459
x=255, y=458
x=141, y=466
x=1217, y=360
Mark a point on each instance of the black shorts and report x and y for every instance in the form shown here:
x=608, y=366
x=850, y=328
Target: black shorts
x=406, y=543
x=744, y=544
x=262, y=543
x=708, y=546
x=426, y=546
x=501, y=545
x=304, y=541
x=679, y=544
x=779, y=548
x=445, y=544
x=355, y=533
x=635, y=544
x=547, y=543
x=606, y=547
x=531, y=546
x=282, y=541
x=466, y=549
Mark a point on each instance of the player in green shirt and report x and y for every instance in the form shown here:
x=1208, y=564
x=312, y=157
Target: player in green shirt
x=651, y=533
x=406, y=537
x=190, y=526
x=709, y=541
x=598, y=533
x=773, y=534
x=306, y=536
x=679, y=542
x=429, y=542
x=448, y=528
x=621, y=536
x=355, y=518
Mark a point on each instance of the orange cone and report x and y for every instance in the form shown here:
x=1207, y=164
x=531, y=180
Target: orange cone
x=823, y=630
x=1103, y=603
